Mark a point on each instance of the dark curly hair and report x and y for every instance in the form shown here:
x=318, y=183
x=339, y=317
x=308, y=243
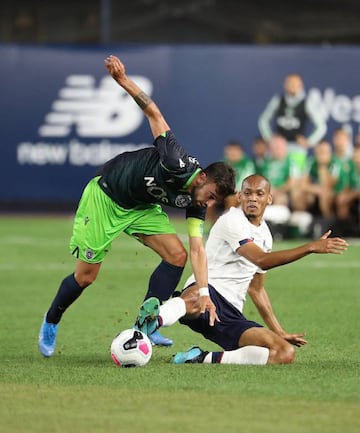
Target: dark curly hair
x=223, y=176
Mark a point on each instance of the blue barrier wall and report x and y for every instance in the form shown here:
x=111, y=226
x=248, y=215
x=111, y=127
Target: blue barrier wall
x=62, y=115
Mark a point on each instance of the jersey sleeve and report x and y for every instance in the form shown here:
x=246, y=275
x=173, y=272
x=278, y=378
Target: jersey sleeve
x=196, y=212
x=173, y=157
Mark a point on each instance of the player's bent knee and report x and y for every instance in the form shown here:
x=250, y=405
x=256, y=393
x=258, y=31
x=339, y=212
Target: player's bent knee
x=286, y=355
x=178, y=257
x=282, y=354
x=84, y=280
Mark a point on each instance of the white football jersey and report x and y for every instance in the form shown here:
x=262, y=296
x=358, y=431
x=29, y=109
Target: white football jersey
x=229, y=272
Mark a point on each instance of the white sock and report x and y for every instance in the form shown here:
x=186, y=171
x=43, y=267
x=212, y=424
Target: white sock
x=172, y=310
x=248, y=355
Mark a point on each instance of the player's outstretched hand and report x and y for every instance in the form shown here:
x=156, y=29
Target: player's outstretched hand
x=115, y=67
x=295, y=339
x=327, y=245
x=206, y=304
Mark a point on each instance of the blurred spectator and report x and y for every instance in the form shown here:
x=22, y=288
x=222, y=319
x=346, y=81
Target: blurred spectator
x=289, y=114
x=260, y=150
x=348, y=185
x=342, y=144
x=278, y=170
x=243, y=165
x=316, y=192
x=357, y=140
x=236, y=157
x=342, y=150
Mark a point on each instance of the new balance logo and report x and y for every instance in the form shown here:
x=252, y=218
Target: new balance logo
x=90, y=111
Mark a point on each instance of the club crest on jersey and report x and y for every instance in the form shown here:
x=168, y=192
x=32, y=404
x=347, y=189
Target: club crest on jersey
x=182, y=200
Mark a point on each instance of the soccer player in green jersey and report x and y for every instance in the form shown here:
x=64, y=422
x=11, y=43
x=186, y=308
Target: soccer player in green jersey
x=127, y=197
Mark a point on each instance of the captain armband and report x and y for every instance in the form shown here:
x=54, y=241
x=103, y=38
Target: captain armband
x=195, y=227
x=143, y=100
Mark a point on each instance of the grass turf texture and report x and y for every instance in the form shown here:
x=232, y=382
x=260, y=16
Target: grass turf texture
x=81, y=390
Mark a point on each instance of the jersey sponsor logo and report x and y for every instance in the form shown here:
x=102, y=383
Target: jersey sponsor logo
x=150, y=180
x=158, y=193
x=154, y=190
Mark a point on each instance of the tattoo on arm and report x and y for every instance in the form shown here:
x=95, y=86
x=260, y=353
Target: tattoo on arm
x=143, y=100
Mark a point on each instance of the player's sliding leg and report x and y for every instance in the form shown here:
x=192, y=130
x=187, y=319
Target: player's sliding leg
x=249, y=355
x=192, y=356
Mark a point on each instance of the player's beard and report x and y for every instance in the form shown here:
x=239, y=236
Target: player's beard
x=251, y=216
x=194, y=194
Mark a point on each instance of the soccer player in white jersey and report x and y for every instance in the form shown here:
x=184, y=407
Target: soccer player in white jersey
x=239, y=253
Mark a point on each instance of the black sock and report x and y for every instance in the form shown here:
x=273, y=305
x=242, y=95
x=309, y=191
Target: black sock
x=164, y=280
x=68, y=292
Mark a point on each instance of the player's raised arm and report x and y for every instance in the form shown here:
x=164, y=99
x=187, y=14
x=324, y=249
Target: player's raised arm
x=156, y=120
x=324, y=245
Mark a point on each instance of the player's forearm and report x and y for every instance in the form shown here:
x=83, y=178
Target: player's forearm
x=198, y=262
x=140, y=97
x=156, y=120
x=263, y=305
x=272, y=322
x=279, y=258
x=128, y=85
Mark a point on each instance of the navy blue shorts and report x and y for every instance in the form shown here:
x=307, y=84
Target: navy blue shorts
x=227, y=332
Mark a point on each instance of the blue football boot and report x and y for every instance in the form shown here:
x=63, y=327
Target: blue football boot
x=47, y=338
x=159, y=340
x=192, y=356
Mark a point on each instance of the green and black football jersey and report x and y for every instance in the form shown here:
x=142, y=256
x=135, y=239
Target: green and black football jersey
x=154, y=175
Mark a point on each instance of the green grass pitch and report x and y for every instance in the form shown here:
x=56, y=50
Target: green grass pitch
x=81, y=390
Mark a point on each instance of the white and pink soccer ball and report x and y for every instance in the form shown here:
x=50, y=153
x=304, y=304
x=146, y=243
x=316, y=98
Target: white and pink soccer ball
x=131, y=348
